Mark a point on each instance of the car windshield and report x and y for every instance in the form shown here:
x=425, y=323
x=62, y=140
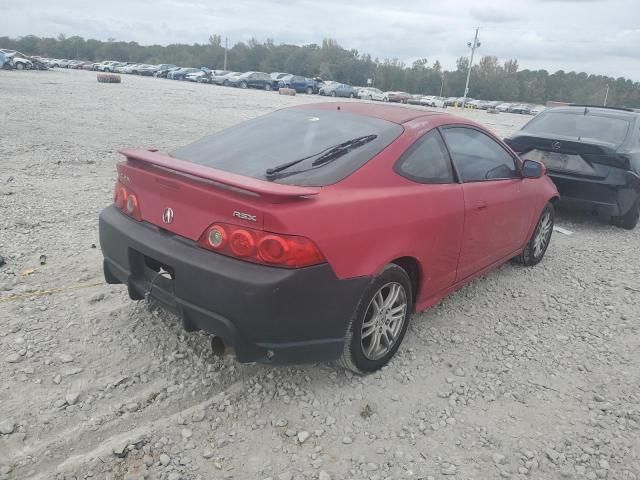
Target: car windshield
x=285, y=136
x=603, y=128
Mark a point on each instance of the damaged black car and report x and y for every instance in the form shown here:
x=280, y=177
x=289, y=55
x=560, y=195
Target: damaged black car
x=592, y=153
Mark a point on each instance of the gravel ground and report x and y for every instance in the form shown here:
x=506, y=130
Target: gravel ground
x=525, y=373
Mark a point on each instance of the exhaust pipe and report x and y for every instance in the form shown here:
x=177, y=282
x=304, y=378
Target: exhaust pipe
x=217, y=346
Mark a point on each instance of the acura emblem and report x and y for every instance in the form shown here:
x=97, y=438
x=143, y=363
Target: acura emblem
x=167, y=215
x=556, y=145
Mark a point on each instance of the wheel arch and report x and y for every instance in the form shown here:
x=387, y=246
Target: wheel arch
x=411, y=265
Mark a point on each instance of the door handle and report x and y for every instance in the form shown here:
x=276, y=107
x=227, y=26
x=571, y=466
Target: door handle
x=481, y=205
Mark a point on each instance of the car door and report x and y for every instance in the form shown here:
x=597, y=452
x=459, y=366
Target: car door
x=497, y=207
x=440, y=210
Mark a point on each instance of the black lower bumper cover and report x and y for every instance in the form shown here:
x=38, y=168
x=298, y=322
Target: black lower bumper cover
x=611, y=196
x=265, y=314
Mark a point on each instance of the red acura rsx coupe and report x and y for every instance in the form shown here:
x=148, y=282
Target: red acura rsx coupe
x=313, y=233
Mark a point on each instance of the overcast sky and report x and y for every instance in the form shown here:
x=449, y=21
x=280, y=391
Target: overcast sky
x=596, y=36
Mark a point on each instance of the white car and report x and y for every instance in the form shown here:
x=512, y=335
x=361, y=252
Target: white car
x=432, y=101
x=107, y=66
x=371, y=93
x=536, y=109
x=194, y=76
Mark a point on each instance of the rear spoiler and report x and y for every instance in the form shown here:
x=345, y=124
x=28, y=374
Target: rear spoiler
x=268, y=190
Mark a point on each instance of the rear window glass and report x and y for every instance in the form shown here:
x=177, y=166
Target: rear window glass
x=575, y=124
x=252, y=147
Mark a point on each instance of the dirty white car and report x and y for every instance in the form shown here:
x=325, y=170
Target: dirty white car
x=371, y=93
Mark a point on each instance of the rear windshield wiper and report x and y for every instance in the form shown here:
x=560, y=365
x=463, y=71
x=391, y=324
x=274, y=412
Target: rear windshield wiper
x=326, y=155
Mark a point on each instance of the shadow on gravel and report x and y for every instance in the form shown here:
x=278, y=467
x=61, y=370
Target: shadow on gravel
x=581, y=218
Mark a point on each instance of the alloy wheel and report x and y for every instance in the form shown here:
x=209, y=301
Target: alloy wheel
x=543, y=235
x=383, y=321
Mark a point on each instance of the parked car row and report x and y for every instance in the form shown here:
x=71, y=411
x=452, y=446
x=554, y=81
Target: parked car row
x=275, y=81
x=522, y=108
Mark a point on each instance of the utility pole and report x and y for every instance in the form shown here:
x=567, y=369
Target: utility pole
x=226, y=45
x=442, y=84
x=473, y=47
x=606, y=95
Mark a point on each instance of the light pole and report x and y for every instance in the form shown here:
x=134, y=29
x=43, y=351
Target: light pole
x=442, y=84
x=473, y=47
x=226, y=45
x=606, y=95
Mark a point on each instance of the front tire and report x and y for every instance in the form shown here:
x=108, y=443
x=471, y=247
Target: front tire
x=630, y=219
x=267, y=87
x=19, y=66
x=539, y=242
x=379, y=322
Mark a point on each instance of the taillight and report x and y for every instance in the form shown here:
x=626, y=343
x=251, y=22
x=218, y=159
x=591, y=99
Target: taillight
x=261, y=247
x=127, y=201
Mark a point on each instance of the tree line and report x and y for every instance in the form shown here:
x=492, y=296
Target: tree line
x=490, y=78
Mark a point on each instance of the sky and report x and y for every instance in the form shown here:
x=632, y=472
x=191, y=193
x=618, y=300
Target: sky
x=595, y=36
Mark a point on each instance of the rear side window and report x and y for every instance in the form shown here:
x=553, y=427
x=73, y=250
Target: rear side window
x=252, y=147
x=583, y=127
x=427, y=161
x=477, y=156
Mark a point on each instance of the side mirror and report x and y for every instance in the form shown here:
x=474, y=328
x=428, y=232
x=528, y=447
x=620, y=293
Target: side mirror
x=532, y=169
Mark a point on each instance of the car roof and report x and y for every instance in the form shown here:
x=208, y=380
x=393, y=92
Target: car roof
x=627, y=113
x=390, y=113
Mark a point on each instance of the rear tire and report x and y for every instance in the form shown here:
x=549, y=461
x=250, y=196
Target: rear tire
x=267, y=87
x=309, y=90
x=539, y=242
x=630, y=219
x=382, y=314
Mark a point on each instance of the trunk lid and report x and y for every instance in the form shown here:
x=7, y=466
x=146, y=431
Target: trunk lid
x=567, y=154
x=197, y=195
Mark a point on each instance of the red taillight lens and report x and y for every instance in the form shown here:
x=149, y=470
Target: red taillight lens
x=261, y=247
x=242, y=243
x=127, y=201
x=273, y=248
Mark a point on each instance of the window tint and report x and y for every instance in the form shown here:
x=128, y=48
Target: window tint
x=292, y=134
x=577, y=124
x=477, y=156
x=427, y=161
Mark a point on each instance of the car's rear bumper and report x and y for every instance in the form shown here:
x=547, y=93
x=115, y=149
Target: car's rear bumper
x=611, y=197
x=264, y=314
